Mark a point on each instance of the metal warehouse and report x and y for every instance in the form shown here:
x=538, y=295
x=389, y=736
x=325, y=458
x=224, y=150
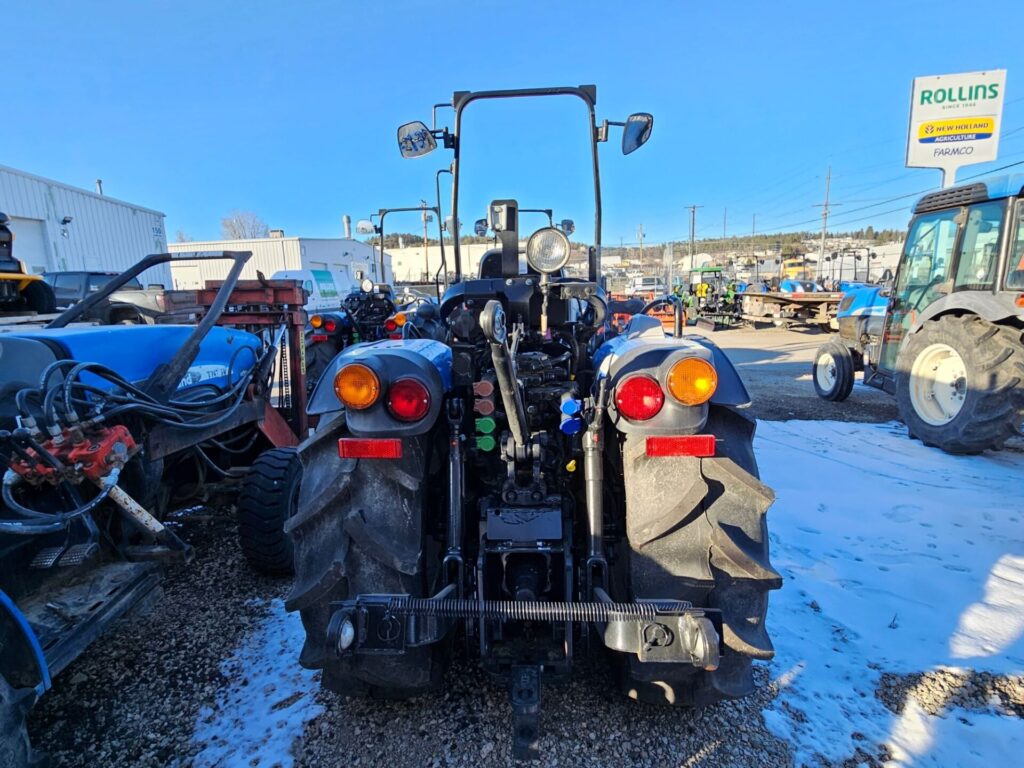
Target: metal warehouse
x=350, y=260
x=59, y=227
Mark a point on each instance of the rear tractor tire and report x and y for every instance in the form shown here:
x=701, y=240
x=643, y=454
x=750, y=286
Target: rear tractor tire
x=833, y=371
x=960, y=384
x=267, y=501
x=360, y=530
x=707, y=545
x=15, y=750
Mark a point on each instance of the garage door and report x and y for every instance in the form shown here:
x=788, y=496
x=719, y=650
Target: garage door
x=30, y=243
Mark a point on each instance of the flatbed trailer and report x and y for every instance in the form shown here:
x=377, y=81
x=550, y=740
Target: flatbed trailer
x=788, y=309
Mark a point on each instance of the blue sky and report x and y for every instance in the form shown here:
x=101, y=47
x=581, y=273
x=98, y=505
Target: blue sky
x=196, y=108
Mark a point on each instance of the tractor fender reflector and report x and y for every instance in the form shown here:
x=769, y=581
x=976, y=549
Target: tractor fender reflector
x=318, y=337
x=368, y=448
x=681, y=445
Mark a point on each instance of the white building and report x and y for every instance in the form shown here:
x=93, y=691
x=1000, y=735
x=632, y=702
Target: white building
x=350, y=260
x=412, y=264
x=59, y=228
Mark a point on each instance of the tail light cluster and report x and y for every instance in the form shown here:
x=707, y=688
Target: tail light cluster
x=358, y=387
x=690, y=381
x=393, y=325
x=323, y=325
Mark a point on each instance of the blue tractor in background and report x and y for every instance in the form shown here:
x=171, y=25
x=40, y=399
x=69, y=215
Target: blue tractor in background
x=946, y=337
x=104, y=430
x=524, y=482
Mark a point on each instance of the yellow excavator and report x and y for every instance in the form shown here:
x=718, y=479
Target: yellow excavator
x=19, y=290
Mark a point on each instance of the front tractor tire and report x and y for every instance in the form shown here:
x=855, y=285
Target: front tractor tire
x=704, y=539
x=360, y=530
x=268, y=499
x=833, y=371
x=960, y=384
x=38, y=297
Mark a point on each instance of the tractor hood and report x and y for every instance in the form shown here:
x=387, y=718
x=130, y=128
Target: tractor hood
x=133, y=351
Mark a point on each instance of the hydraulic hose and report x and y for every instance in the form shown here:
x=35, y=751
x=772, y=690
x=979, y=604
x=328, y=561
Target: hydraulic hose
x=54, y=522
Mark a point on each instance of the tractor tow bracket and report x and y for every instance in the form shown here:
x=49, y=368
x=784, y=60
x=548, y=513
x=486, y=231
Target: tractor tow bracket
x=654, y=630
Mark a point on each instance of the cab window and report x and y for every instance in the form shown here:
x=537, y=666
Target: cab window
x=1015, y=269
x=929, y=258
x=979, y=247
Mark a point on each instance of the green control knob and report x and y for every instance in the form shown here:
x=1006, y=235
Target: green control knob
x=485, y=425
x=486, y=443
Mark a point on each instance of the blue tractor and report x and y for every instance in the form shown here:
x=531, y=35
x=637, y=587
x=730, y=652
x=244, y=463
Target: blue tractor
x=103, y=431
x=517, y=480
x=946, y=337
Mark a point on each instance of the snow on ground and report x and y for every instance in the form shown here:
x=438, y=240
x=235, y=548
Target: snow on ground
x=896, y=558
x=267, y=700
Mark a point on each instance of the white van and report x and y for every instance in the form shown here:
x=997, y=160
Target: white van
x=325, y=289
x=646, y=284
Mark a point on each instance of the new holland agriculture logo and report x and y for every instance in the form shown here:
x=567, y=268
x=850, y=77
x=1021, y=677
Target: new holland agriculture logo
x=957, y=129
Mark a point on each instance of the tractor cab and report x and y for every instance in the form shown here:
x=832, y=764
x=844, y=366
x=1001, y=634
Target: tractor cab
x=964, y=254
x=946, y=337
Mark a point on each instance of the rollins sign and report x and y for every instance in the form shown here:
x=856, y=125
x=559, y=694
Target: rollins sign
x=955, y=121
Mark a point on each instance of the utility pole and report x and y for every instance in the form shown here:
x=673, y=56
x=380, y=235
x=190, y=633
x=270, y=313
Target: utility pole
x=693, y=231
x=824, y=214
x=426, y=254
x=753, y=257
x=640, y=237
x=725, y=216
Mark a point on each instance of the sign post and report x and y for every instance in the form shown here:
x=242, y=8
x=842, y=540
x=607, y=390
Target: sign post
x=955, y=121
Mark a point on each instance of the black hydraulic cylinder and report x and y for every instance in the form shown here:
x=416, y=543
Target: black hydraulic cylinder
x=593, y=471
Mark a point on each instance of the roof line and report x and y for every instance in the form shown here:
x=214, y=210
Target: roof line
x=80, y=190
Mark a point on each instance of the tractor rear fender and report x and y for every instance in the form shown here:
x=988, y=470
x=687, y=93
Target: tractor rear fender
x=994, y=307
x=428, y=361
x=646, y=350
x=22, y=663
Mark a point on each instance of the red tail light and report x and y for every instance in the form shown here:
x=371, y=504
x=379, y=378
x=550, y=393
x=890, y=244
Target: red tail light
x=366, y=448
x=681, y=445
x=408, y=400
x=330, y=325
x=390, y=325
x=639, y=398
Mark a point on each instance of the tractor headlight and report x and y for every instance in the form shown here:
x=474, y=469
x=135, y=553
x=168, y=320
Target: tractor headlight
x=547, y=250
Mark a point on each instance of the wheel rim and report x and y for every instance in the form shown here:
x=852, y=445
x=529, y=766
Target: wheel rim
x=825, y=371
x=938, y=384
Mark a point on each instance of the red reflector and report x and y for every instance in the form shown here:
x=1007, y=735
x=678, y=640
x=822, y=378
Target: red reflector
x=366, y=448
x=681, y=445
x=318, y=337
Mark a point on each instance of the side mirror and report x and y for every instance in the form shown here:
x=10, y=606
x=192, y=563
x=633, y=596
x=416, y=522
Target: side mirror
x=365, y=227
x=568, y=226
x=415, y=139
x=480, y=227
x=636, y=131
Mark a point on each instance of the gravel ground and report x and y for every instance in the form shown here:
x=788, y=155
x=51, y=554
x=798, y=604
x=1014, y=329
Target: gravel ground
x=584, y=722
x=133, y=696
x=132, y=699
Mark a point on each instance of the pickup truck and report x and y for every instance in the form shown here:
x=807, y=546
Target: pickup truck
x=129, y=305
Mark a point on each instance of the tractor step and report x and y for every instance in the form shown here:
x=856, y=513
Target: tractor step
x=68, y=613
